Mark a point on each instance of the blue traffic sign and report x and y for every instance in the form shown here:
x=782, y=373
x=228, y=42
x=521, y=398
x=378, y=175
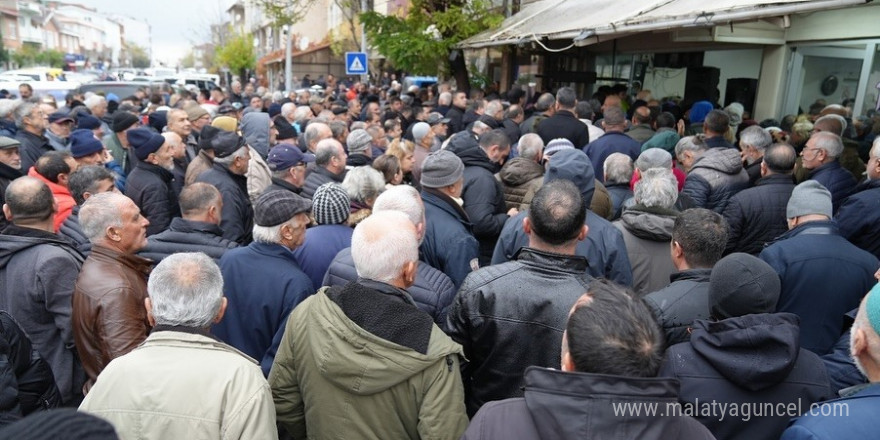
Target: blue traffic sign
x=355, y=63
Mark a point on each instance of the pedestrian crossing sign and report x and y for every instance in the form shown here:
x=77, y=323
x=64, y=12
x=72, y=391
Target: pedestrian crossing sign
x=355, y=63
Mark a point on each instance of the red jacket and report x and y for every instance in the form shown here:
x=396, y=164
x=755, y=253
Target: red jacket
x=62, y=196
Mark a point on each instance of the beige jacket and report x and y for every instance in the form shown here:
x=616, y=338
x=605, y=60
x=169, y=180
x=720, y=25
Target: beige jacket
x=182, y=385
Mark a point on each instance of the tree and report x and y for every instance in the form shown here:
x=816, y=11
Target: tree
x=285, y=12
x=188, y=60
x=139, y=57
x=238, y=55
x=423, y=42
x=51, y=58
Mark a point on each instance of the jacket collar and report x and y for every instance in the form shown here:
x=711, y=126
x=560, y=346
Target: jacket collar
x=775, y=179
x=155, y=169
x=866, y=185
x=819, y=227
x=179, y=224
x=8, y=172
x=286, y=185
x=20, y=231
x=56, y=188
x=325, y=172
x=237, y=178
x=446, y=203
x=40, y=137
x=387, y=289
x=548, y=260
x=273, y=250
x=134, y=262
x=830, y=166
x=698, y=275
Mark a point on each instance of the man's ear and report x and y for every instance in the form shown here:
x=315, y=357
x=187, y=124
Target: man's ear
x=7, y=212
x=223, y=304
x=149, y=306
x=527, y=225
x=583, y=234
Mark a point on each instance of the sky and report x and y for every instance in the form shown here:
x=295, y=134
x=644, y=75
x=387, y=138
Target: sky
x=176, y=25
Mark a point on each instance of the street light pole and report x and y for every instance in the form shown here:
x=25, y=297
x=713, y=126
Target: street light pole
x=288, y=61
x=365, y=77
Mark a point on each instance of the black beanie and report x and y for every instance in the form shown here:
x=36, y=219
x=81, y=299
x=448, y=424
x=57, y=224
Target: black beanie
x=742, y=284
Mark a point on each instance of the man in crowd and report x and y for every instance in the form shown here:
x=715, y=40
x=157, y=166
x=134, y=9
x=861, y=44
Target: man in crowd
x=330, y=159
x=360, y=148
x=333, y=335
x=753, y=142
x=315, y=132
x=207, y=386
x=522, y=176
x=714, y=175
x=698, y=239
x=117, y=140
x=109, y=319
x=510, y=316
x=149, y=185
x=641, y=129
x=756, y=215
x=564, y=123
x=715, y=127
x=10, y=169
x=544, y=108
x=231, y=158
x=618, y=170
x=820, y=156
x=31, y=122
x=857, y=219
x=262, y=280
x=613, y=141
x=204, y=160
x=611, y=353
x=83, y=183
x=823, y=275
x=58, y=131
x=288, y=164
x=38, y=270
x=456, y=112
x=54, y=169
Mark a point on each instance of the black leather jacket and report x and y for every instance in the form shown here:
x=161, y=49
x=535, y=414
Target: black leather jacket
x=510, y=316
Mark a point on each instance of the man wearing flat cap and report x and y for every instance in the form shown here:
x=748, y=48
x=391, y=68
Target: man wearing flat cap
x=58, y=131
x=227, y=174
x=262, y=281
x=150, y=184
x=10, y=169
x=288, y=164
x=823, y=275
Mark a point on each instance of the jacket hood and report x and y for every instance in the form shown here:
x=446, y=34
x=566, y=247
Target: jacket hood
x=725, y=160
x=754, y=352
x=648, y=224
x=255, y=129
x=360, y=362
x=520, y=171
x=466, y=147
x=573, y=165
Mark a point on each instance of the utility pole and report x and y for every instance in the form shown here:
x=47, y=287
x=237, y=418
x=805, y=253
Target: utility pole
x=365, y=77
x=288, y=60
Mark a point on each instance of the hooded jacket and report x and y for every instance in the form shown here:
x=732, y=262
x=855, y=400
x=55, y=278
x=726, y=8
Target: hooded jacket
x=520, y=179
x=62, y=197
x=362, y=362
x=754, y=360
x=254, y=128
x=647, y=232
x=569, y=406
x=679, y=304
x=715, y=177
x=38, y=271
x=482, y=194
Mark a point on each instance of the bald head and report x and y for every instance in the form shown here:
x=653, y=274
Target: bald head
x=175, y=143
x=29, y=202
x=384, y=248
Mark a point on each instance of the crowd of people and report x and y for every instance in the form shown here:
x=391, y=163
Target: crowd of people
x=378, y=262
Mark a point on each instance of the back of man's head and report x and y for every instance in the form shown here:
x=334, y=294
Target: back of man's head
x=642, y=115
x=780, y=158
x=717, y=121
x=657, y=188
x=186, y=290
x=197, y=198
x=383, y=244
x=665, y=120
x=495, y=137
x=615, y=119
x=557, y=213
x=544, y=102
x=584, y=110
x=530, y=146
x=52, y=164
x=29, y=200
x=756, y=137
x=830, y=142
x=618, y=168
x=403, y=198
x=611, y=331
x=86, y=179
x=831, y=123
x=325, y=150
x=654, y=158
x=566, y=98
x=702, y=235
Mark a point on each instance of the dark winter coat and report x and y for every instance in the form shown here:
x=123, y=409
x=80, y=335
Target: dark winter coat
x=482, y=194
x=72, y=231
x=611, y=142
x=237, y=216
x=752, y=359
x=858, y=218
x=641, y=133
x=619, y=193
x=449, y=244
x=564, y=124
x=32, y=147
x=715, y=177
x=570, y=406
x=830, y=422
x=321, y=245
x=262, y=284
x=823, y=277
x=318, y=177
x=754, y=170
x=7, y=175
x=683, y=301
x=520, y=179
x=838, y=180
x=26, y=382
x=455, y=115
x=756, y=215
x=187, y=236
x=432, y=291
x=150, y=187
x=842, y=370
x=512, y=315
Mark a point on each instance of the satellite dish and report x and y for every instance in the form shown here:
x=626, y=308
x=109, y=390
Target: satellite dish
x=303, y=43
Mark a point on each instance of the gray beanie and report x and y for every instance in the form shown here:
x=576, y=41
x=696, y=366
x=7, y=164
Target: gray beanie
x=557, y=144
x=330, y=204
x=441, y=169
x=358, y=140
x=808, y=198
x=742, y=284
x=420, y=130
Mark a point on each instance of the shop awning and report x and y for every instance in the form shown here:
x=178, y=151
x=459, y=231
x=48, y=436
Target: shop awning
x=577, y=22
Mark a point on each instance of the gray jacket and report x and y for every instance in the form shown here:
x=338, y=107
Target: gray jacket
x=646, y=232
x=716, y=176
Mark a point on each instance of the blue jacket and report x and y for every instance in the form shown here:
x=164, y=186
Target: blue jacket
x=842, y=370
x=449, y=243
x=149, y=186
x=859, y=217
x=611, y=142
x=237, y=217
x=837, y=179
x=823, y=277
x=262, y=284
x=853, y=417
x=432, y=291
x=322, y=243
x=604, y=248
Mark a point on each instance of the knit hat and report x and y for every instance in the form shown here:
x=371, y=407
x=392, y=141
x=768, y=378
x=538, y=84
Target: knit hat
x=330, y=204
x=88, y=122
x=273, y=208
x=810, y=197
x=207, y=134
x=573, y=165
x=285, y=130
x=742, y=284
x=83, y=143
x=872, y=307
x=226, y=143
x=111, y=97
x=122, y=120
x=359, y=140
x=441, y=169
x=158, y=120
x=194, y=112
x=284, y=156
x=59, y=117
x=274, y=109
x=420, y=129
x=556, y=145
x=144, y=141
x=60, y=424
x=227, y=123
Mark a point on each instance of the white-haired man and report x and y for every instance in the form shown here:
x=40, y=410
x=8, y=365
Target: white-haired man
x=820, y=156
x=262, y=280
x=522, y=176
x=207, y=386
x=368, y=345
